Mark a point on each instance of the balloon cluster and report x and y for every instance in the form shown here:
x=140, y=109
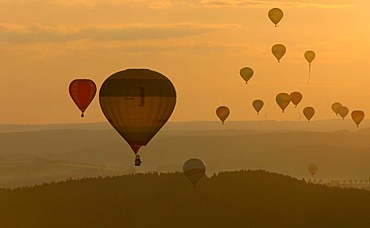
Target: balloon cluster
x=284, y=99
x=136, y=102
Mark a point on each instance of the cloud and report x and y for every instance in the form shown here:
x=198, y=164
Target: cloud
x=45, y=34
x=261, y=3
x=153, y=4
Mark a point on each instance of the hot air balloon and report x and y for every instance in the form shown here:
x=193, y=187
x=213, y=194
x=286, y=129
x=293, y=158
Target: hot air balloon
x=137, y=103
x=82, y=92
x=308, y=112
x=357, y=116
x=283, y=100
x=246, y=73
x=336, y=107
x=257, y=105
x=194, y=170
x=278, y=50
x=223, y=112
x=275, y=15
x=312, y=169
x=309, y=56
x=295, y=98
x=343, y=111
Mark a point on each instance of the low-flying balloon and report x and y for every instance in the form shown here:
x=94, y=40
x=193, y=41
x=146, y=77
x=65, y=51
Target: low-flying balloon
x=343, y=111
x=275, y=15
x=82, y=92
x=295, y=98
x=283, y=100
x=357, y=116
x=137, y=103
x=309, y=56
x=223, y=112
x=246, y=73
x=336, y=107
x=278, y=50
x=308, y=112
x=257, y=105
x=194, y=170
x=312, y=169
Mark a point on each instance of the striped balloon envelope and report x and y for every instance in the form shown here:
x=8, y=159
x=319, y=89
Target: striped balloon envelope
x=137, y=103
x=82, y=92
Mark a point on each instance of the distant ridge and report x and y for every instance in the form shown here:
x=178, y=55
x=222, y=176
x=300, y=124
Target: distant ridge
x=261, y=126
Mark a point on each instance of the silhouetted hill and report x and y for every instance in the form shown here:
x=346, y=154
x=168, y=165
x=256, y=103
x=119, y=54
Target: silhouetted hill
x=229, y=199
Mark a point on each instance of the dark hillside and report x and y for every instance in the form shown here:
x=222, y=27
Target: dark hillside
x=230, y=199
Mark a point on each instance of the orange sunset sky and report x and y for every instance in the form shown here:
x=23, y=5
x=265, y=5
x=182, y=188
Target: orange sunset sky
x=200, y=45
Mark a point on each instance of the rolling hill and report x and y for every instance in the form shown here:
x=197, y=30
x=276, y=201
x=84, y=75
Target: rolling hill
x=229, y=199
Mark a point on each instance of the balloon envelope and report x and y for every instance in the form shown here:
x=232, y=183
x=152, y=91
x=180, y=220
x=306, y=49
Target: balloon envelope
x=222, y=112
x=194, y=170
x=312, y=169
x=246, y=73
x=308, y=112
x=358, y=116
x=309, y=56
x=283, y=100
x=82, y=92
x=137, y=103
x=275, y=15
x=343, y=111
x=296, y=97
x=257, y=105
x=336, y=107
x=278, y=50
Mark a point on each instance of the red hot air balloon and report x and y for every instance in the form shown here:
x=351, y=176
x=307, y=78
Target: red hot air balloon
x=82, y=92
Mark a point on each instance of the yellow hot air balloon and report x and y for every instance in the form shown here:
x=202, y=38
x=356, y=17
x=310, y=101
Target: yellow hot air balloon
x=309, y=112
x=309, y=56
x=278, y=50
x=194, y=170
x=283, y=100
x=137, y=103
x=246, y=73
x=312, y=169
x=223, y=112
x=343, y=111
x=336, y=107
x=296, y=97
x=275, y=15
x=257, y=105
x=357, y=116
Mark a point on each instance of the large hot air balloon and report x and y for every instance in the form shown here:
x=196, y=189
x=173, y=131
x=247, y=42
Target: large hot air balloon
x=336, y=107
x=257, y=105
x=343, y=111
x=82, y=92
x=137, y=103
x=358, y=116
x=308, y=112
x=278, y=50
x=295, y=98
x=194, y=170
x=223, y=112
x=283, y=100
x=246, y=73
x=309, y=56
x=312, y=169
x=275, y=15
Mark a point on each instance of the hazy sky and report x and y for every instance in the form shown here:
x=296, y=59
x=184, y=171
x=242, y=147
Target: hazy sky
x=199, y=44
